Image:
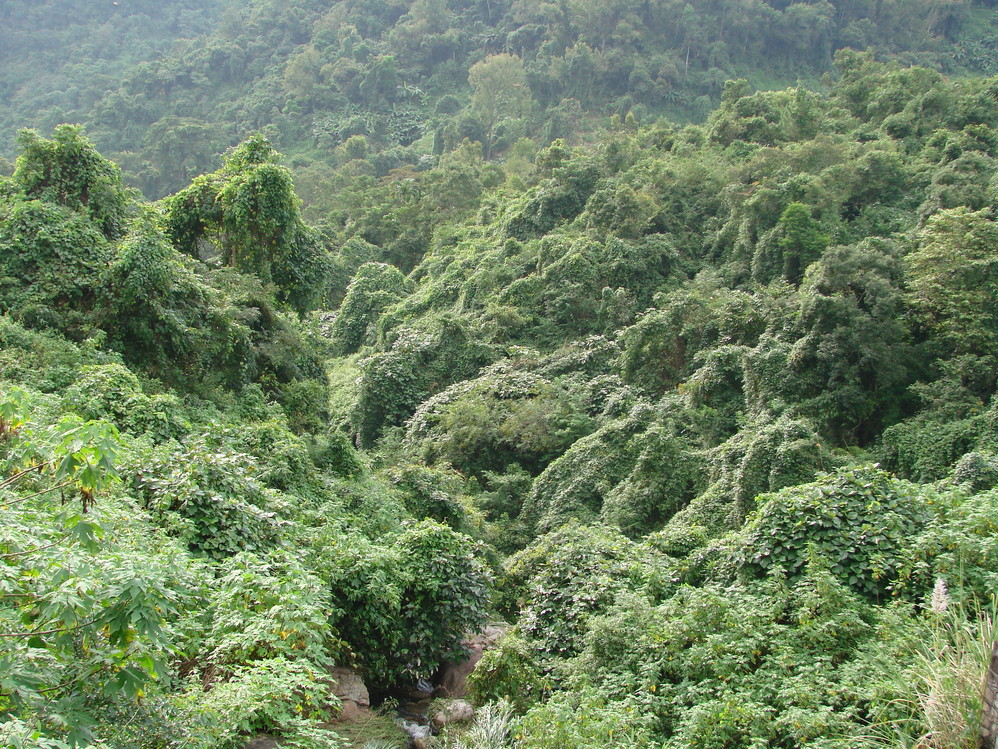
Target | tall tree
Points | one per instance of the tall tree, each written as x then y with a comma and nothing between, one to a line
499,93
69,171
954,280
248,213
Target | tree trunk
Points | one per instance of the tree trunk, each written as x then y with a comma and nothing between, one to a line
989,719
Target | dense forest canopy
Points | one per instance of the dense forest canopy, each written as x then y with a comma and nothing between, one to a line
663,333
165,87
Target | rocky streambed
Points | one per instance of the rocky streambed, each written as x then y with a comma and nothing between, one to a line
422,709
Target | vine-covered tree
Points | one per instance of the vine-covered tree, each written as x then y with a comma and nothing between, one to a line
68,171
248,215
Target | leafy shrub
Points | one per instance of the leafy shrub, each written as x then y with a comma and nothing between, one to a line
979,469
249,214
660,348
333,452
545,207
576,484
68,171
44,361
764,456
431,493
286,697
404,606
733,665
374,287
366,587
567,576
157,312
103,392
677,539
664,479
504,492
958,545
161,417
852,364
446,595
501,418
268,607
617,208
508,671
859,520
926,446
585,718
283,458
418,364
390,388
113,392
209,499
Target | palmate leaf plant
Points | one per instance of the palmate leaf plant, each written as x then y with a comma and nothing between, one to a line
269,607
286,698
82,613
17,734
276,695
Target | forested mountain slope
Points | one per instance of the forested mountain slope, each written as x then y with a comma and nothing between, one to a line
704,412
165,87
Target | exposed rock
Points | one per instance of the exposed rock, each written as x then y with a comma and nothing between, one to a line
350,687
419,736
352,692
263,741
453,677
421,690
351,712
446,712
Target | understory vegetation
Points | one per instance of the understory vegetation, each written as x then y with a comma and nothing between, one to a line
706,412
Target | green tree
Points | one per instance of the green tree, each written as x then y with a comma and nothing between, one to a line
302,73
69,171
499,93
181,148
798,241
853,361
249,214
156,310
51,259
953,281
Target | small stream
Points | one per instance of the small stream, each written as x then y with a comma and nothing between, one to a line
413,713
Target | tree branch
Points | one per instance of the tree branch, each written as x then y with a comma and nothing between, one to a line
31,551
11,479
34,633
63,485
